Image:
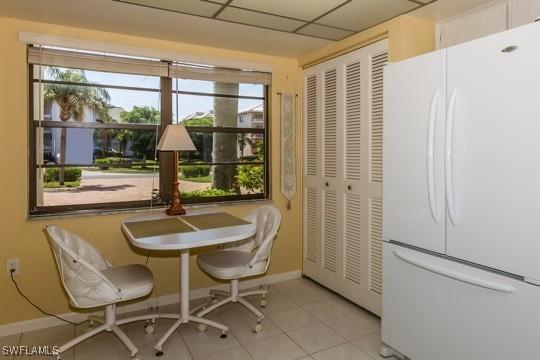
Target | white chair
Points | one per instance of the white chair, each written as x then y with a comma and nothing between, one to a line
90,281
247,258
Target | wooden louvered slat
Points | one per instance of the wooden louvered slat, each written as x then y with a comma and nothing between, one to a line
330,231
312,234
330,123
352,121
311,126
352,239
376,123
375,245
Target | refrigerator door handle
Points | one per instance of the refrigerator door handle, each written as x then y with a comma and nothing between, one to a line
433,203
453,274
448,157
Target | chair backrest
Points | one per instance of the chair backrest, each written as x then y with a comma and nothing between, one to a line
267,219
80,265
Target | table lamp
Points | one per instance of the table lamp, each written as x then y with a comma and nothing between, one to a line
175,139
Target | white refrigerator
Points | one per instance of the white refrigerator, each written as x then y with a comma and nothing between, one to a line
461,201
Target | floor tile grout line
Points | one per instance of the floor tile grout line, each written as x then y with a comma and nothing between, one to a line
324,348
363,350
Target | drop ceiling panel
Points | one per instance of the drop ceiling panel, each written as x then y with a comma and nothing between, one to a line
193,7
259,19
299,9
362,14
324,32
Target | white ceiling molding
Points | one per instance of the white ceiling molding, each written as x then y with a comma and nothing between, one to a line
89,45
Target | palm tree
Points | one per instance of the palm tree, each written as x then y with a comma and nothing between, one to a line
73,101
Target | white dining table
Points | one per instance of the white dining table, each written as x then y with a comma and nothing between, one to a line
185,241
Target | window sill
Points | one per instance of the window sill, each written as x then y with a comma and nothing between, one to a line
104,212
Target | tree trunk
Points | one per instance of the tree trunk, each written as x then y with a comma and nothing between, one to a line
143,166
225,144
63,146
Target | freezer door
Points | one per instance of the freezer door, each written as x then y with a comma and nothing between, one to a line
413,185
436,309
493,151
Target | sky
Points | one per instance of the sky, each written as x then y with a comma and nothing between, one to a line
187,104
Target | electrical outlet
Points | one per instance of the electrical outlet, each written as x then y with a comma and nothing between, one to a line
12,264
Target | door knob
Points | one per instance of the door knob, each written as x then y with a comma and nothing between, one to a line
349,187
326,184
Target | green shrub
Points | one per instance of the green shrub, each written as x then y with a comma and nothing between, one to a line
103,163
206,193
194,171
70,174
250,177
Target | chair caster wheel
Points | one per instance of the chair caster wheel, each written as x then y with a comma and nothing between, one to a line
257,329
223,336
214,300
263,303
202,327
149,329
159,353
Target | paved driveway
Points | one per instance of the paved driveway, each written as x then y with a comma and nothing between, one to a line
99,187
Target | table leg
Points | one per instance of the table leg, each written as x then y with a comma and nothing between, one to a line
184,300
184,284
185,316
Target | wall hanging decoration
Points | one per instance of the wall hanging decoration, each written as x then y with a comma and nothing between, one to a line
288,146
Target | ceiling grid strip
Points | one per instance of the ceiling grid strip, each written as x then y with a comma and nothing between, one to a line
230,4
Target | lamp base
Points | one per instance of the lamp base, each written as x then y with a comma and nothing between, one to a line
175,212
176,208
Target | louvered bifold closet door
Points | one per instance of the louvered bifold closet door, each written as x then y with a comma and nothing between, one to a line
354,256
312,169
378,58
331,197
342,190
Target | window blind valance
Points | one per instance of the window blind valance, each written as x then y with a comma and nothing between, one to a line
96,62
110,63
183,71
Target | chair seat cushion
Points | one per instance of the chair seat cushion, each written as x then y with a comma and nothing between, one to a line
133,280
227,264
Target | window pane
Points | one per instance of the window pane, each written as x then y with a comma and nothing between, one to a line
67,102
229,147
125,169
198,182
104,105
96,186
89,146
202,86
101,77
195,110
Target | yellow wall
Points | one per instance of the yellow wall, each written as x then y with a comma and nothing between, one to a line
22,238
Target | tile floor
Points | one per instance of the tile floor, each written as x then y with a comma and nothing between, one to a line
302,321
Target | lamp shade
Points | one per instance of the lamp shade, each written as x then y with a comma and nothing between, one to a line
175,138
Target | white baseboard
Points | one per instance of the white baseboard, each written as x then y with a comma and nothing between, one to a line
153,302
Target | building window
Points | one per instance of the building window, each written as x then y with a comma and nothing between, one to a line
94,129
